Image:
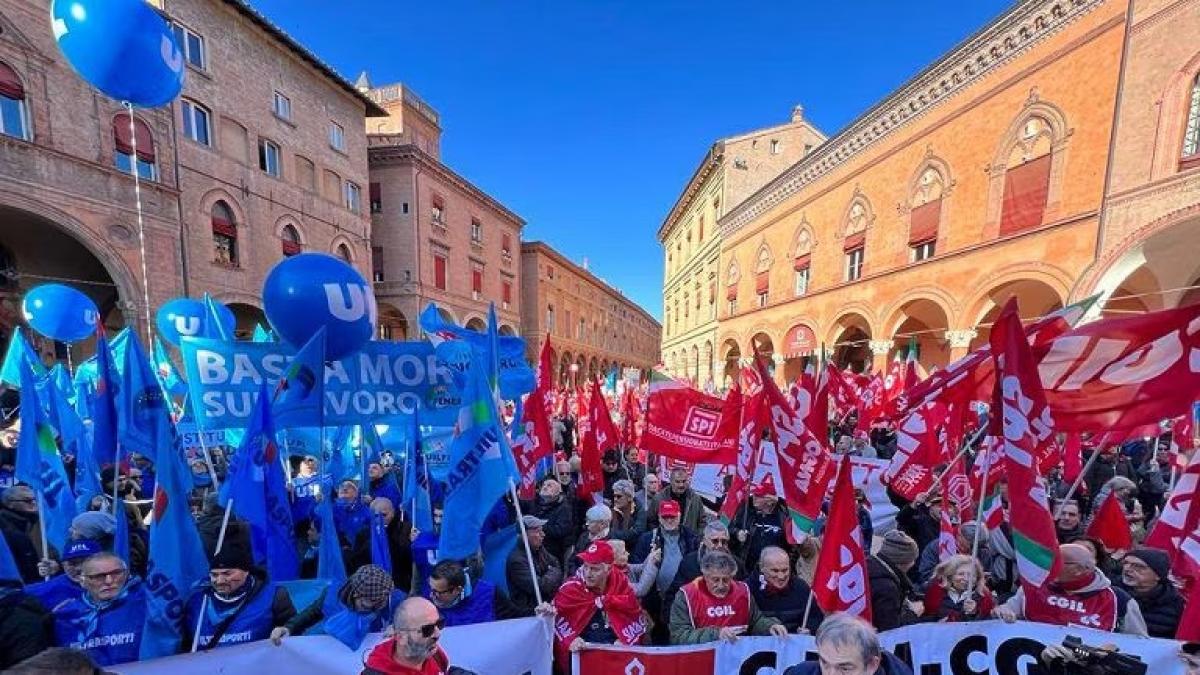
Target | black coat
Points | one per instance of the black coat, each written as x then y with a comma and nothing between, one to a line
915,521
26,556
762,530
889,588
26,628
520,580
787,606
560,524
889,665
399,538
1161,608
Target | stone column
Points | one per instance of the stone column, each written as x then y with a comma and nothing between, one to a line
881,349
960,342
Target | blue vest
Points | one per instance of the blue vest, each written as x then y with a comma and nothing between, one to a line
111,636
253,622
477,608
55,592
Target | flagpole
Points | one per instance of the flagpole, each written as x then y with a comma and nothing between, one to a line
204,597
807,610
212,471
537,591
1078,481
116,472
987,468
42,529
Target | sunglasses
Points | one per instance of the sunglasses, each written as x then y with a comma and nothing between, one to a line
428,629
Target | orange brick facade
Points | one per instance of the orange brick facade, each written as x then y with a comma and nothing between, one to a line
980,179
592,326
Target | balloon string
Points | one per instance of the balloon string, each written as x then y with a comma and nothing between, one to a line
137,193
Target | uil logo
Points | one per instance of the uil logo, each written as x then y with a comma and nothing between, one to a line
171,55
91,317
350,302
187,325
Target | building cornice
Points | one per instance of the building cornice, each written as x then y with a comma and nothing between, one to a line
542,248
712,160
1010,35
390,155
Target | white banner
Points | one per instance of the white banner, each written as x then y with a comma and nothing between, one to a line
489,648
979,648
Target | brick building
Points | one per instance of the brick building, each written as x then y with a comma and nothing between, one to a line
731,170
981,178
263,155
436,236
592,326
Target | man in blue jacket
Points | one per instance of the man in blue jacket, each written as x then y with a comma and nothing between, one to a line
106,621
847,645
463,601
67,586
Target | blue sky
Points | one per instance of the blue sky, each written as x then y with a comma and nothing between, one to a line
586,118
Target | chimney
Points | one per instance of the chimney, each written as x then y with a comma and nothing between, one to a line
363,83
798,114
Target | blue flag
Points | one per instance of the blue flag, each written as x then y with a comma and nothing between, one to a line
168,375
416,482
496,548
18,351
214,327
300,394
88,370
121,536
177,561
516,377
341,457
105,420
140,401
380,554
8,565
258,489
73,440
330,565
39,465
481,467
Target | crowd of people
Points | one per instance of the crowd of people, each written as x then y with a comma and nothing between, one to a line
649,564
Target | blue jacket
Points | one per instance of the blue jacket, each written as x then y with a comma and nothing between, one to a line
111,634
264,607
304,496
478,607
351,519
889,665
55,592
385,486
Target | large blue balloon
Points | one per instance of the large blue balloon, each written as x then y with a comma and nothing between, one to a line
310,290
122,47
185,317
60,312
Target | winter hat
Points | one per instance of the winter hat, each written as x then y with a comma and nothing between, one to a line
1155,559
370,582
898,549
235,555
93,525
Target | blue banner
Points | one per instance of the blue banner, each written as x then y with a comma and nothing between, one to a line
384,381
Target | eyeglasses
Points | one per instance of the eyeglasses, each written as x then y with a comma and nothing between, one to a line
104,576
717,542
428,629
449,592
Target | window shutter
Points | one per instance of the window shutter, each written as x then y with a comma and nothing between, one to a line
10,84
854,241
223,226
506,292
477,281
291,247
731,292
375,193
923,226
124,142
439,272
1025,190
762,283
803,262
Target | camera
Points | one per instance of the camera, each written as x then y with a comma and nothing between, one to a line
1096,661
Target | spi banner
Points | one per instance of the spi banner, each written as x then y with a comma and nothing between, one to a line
480,648
978,648
385,380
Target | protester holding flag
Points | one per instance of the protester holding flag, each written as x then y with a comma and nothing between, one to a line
364,603
674,542
546,571
67,586
887,579
350,513
306,489
959,592
964,541
106,621
398,536
782,595
1079,595
552,507
758,524
1145,576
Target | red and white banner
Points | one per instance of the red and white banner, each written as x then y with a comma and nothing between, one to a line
685,424
840,578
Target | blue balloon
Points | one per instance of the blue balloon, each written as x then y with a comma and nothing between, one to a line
309,291
60,312
185,317
122,47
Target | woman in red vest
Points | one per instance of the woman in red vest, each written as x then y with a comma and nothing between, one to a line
715,607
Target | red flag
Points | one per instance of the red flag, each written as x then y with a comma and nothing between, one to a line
893,382
957,492
686,424
871,402
947,536
911,375
1180,516
1072,457
842,393
1189,559
918,451
840,578
1020,413
813,402
804,464
753,420
600,421
545,375
1111,527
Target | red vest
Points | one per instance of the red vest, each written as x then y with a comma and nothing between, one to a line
1095,609
709,611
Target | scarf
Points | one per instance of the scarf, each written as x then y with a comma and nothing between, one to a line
576,603
222,606
672,557
1075,585
345,624
89,619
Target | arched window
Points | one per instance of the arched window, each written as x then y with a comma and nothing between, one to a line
14,114
926,214
343,252
802,262
762,275
290,239
1027,177
124,139
854,245
224,233
1191,135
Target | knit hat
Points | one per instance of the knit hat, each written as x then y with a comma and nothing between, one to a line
93,525
1155,559
371,583
898,549
235,555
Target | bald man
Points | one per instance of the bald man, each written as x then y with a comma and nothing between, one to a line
414,649
1081,595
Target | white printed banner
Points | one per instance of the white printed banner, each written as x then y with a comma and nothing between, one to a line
482,648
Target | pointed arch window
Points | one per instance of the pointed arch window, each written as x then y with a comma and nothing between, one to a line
290,240
926,215
124,140
14,112
224,234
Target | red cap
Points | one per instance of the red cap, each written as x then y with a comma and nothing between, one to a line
764,489
668,508
597,552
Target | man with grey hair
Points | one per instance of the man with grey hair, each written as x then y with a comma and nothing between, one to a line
716,538
414,647
629,520
847,645
716,607
597,526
